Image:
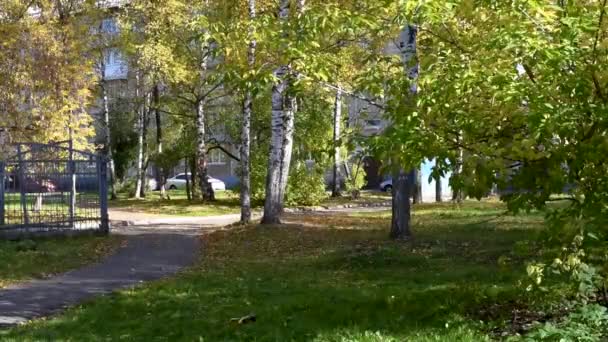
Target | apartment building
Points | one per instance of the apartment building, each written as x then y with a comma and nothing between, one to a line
119,79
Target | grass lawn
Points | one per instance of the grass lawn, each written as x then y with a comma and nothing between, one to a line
367,197
31,259
325,278
227,203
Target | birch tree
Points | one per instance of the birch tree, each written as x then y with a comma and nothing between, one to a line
281,134
245,149
141,136
106,127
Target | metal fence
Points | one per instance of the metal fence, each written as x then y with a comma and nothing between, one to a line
52,189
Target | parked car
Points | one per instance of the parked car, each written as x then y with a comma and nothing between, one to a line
387,185
33,185
179,182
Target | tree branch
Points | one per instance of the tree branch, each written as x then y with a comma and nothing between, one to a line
218,147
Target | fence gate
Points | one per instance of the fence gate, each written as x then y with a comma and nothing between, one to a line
48,189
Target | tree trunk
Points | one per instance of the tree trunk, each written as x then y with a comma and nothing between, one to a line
457,194
201,153
140,137
287,145
108,136
246,128
418,186
188,178
159,141
201,148
272,205
280,143
194,188
400,223
337,120
438,190
146,118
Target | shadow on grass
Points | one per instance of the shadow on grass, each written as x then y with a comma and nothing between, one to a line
321,278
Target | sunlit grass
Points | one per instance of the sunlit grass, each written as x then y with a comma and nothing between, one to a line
178,204
227,203
325,278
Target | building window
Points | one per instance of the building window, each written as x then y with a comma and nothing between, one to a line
116,66
217,157
109,26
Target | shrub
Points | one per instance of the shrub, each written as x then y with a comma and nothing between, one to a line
356,181
306,187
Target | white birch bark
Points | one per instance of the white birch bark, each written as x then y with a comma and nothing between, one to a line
146,118
246,128
140,137
201,148
107,131
281,128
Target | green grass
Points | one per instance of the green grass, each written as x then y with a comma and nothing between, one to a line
325,278
178,205
32,259
227,203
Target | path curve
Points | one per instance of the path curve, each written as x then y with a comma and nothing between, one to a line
143,257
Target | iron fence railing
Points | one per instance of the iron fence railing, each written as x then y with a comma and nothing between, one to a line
52,188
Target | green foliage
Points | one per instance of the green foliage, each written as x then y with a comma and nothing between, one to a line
307,185
587,323
259,169
124,140
356,181
26,245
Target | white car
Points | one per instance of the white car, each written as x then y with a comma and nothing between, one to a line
387,185
179,182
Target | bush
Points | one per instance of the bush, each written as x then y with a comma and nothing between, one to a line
356,181
128,186
306,187
588,323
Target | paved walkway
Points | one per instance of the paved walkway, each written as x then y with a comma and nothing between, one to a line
152,250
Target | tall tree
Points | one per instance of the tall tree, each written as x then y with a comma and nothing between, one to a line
140,109
159,139
106,127
282,133
402,181
245,149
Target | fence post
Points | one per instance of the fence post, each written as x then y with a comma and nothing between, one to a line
3,180
26,219
102,170
72,171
